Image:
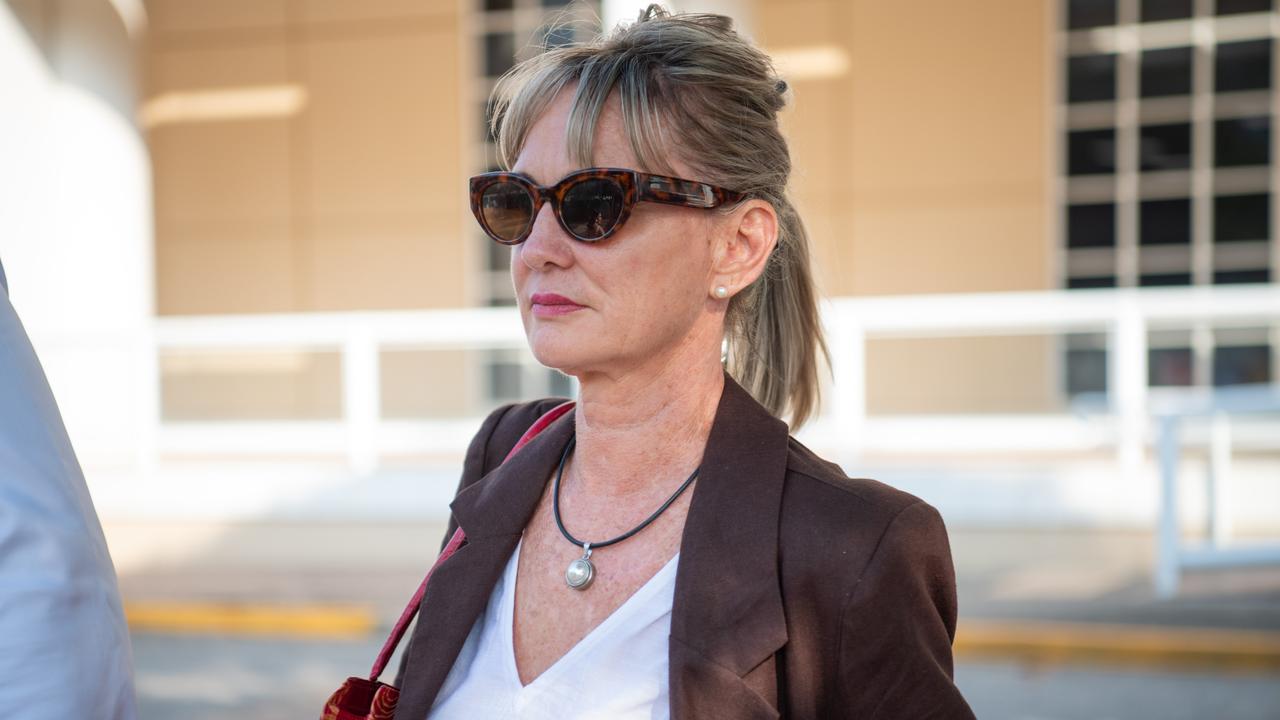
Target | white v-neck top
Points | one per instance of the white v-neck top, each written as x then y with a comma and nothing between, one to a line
618,671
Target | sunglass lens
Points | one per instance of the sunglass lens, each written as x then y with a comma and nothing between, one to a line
592,207
507,208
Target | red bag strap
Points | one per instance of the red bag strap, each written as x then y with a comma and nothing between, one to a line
455,542
539,425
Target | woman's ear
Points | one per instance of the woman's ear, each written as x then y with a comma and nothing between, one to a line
743,247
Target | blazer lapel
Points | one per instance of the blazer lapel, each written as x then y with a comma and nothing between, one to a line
493,511
727,618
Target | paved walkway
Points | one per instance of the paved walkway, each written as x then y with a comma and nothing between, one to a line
1033,595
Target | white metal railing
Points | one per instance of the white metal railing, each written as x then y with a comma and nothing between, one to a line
1124,315
1122,427
1172,556
358,337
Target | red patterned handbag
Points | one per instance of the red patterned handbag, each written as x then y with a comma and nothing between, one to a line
369,699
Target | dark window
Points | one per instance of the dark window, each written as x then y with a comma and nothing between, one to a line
504,380
1091,78
499,53
1091,151
1086,371
484,120
1166,72
558,36
1090,13
1235,277
1165,222
1243,66
1241,364
1242,141
1241,217
499,255
1155,10
1169,366
561,384
1230,7
1165,147
1162,279
498,4
1084,283
1091,225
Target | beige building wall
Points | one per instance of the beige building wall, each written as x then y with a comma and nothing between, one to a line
923,165
348,198
308,156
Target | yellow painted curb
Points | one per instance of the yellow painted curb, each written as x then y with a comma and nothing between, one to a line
316,621
1049,642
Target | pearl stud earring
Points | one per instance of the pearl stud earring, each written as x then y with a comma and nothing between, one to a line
722,292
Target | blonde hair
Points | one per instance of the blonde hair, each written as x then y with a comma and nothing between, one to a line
689,84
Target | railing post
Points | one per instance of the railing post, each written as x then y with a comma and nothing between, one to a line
150,412
1219,497
1168,540
1127,383
849,371
361,401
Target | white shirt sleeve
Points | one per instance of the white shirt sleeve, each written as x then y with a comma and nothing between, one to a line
64,645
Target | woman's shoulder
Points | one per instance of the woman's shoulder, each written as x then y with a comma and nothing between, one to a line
813,478
838,533
820,500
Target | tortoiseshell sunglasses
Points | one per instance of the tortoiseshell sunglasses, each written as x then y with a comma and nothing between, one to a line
589,204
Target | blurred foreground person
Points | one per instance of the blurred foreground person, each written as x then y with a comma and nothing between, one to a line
64,645
666,549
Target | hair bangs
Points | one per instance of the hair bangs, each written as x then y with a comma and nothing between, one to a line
522,96
519,99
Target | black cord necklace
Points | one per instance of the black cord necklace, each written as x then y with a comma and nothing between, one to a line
581,571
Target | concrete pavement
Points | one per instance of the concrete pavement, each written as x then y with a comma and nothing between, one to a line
1029,595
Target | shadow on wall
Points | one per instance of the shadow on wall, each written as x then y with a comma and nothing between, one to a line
81,41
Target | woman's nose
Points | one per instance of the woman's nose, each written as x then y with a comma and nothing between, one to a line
547,244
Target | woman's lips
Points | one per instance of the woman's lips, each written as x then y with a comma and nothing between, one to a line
551,304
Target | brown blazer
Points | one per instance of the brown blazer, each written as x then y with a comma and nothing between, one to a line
800,593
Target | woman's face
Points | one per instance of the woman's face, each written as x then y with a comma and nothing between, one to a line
641,296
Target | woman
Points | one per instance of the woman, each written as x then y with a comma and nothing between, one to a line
666,549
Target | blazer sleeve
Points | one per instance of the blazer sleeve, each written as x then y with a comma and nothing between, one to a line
898,624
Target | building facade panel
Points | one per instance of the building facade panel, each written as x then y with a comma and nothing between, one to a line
924,166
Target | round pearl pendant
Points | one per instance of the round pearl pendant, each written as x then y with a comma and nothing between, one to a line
579,574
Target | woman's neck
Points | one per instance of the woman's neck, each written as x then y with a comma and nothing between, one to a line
635,429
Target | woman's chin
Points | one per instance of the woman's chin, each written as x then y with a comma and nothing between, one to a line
560,353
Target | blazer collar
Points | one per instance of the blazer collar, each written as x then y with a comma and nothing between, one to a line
502,502
727,613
